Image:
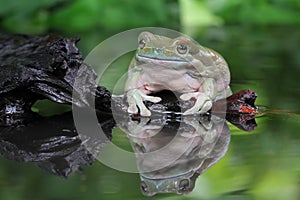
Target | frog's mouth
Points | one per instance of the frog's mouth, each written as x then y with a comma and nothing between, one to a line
159,58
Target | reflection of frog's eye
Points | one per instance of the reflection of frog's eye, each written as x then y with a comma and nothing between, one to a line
142,43
182,49
184,184
144,187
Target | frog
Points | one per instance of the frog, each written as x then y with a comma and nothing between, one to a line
180,65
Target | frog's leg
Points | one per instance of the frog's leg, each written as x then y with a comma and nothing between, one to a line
203,97
135,98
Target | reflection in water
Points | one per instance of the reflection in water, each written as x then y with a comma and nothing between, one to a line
172,150
52,143
172,154
243,122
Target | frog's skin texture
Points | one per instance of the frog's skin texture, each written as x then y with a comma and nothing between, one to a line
180,65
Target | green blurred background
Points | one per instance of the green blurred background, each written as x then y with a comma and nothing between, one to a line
260,40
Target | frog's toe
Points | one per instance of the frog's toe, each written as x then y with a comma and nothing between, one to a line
191,111
188,96
206,107
132,109
202,105
145,112
153,99
207,125
143,109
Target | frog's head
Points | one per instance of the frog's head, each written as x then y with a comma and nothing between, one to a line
182,184
160,49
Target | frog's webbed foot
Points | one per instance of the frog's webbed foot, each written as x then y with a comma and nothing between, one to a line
135,100
202,105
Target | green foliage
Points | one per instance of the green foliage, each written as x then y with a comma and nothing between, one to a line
78,16
68,16
261,12
195,14
89,14
91,20
25,16
95,20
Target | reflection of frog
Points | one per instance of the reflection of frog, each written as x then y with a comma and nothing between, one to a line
179,65
171,155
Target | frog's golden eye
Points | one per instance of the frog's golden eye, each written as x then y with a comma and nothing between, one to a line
142,43
182,49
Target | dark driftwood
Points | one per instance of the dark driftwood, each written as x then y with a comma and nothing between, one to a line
34,68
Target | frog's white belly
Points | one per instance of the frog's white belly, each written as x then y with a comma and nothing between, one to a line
168,79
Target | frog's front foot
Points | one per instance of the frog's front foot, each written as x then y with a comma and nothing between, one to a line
135,100
202,105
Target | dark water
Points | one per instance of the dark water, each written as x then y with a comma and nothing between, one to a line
262,164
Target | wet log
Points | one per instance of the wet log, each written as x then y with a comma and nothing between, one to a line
34,68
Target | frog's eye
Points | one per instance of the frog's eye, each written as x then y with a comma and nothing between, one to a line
182,49
183,185
144,187
142,43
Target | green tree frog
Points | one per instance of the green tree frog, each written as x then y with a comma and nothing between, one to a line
180,65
